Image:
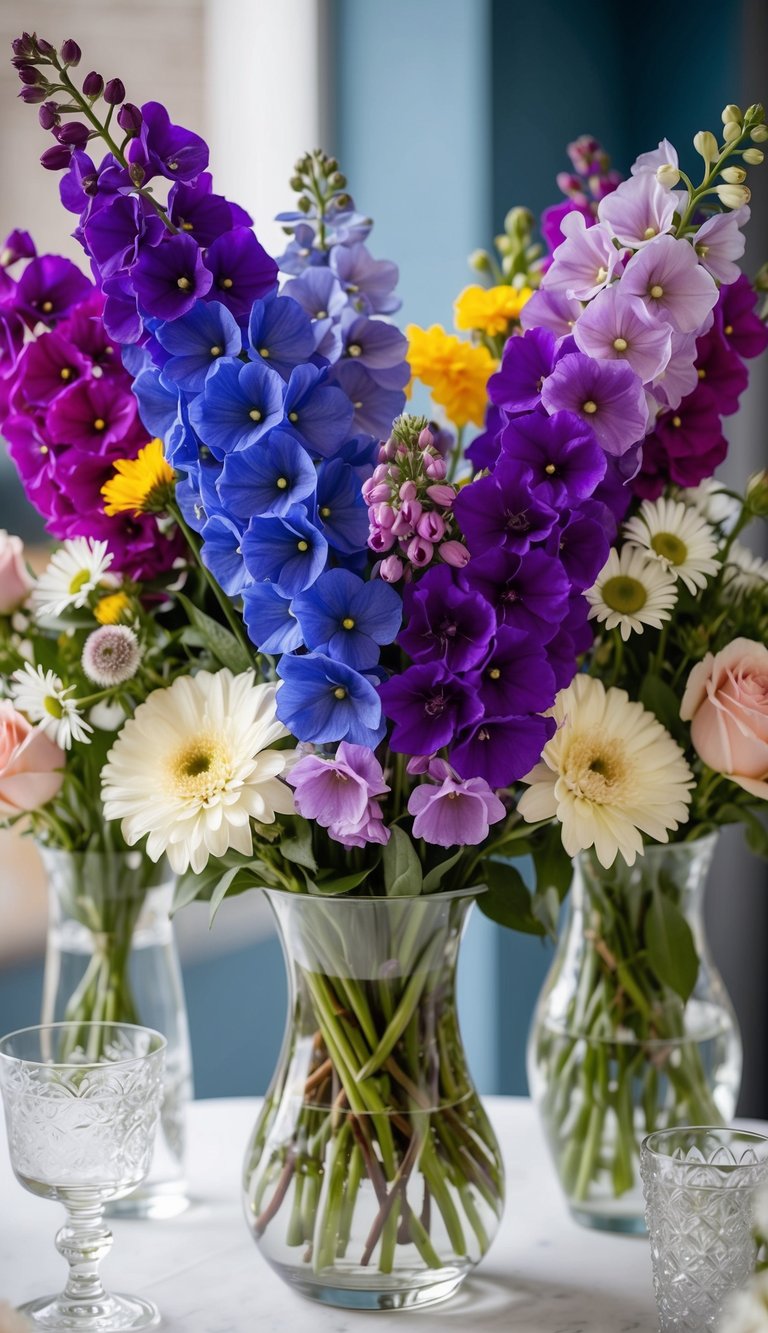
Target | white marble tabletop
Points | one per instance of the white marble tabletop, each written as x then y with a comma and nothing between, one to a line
544,1273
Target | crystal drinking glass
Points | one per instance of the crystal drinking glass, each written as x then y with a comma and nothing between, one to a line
82,1103
699,1184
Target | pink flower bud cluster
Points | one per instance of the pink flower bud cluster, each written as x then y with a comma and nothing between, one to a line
410,509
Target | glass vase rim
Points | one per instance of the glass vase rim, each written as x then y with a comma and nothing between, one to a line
747,1136
439,895
652,849
159,1044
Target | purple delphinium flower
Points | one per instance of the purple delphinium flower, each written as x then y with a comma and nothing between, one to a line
341,794
485,448
502,750
670,281
719,242
502,511
378,346
742,327
195,209
525,363
428,706
551,309
515,676
48,289
17,245
585,262
369,283
560,452
374,407
529,592
116,233
607,395
582,542
685,447
164,149
618,327
321,701
721,370
454,813
242,272
170,277
445,622
638,210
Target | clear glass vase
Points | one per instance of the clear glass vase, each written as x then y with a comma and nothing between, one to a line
373,1178
614,1053
111,957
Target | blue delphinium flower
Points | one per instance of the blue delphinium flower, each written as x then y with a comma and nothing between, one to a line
158,402
267,477
375,407
319,414
222,553
288,552
269,618
239,404
341,512
348,619
321,701
280,334
196,341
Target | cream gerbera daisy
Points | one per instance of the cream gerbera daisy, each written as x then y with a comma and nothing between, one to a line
44,698
73,572
192,768
631,590
678,537
610,773
744,571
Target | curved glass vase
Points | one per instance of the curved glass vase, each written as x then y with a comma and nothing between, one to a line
111,957
614,1053
373,1178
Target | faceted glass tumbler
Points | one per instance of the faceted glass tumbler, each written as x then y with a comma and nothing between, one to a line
699,1184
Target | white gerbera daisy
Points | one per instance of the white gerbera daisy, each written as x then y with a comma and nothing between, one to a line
711,499
609,773
192,768
44,698
678,537
631,590
744,571
73,572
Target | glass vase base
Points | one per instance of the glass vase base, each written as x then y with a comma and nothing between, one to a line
601,1218
155,1203
112,1314
377,1293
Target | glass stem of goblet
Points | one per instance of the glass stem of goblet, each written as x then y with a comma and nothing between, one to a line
84,1241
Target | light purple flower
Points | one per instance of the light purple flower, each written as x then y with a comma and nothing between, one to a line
662,156
608,395
638,211
719,241
585,262
455,814
669,280
679,377
618,327
340,794
550,309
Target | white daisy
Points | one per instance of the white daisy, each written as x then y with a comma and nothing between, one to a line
744,571
73,572
679,538
610,773
631,590
192,768
711,499
44,698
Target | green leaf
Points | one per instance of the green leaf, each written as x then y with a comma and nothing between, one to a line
669,941
661,700
434,877
219,893
220,642
299,850
402,868
554,867
507,899
338,883
188,888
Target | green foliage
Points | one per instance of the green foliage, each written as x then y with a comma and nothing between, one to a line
669,941
220,642
402,868
507,900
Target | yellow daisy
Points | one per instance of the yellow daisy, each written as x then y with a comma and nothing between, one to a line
489,309
457,372
141,485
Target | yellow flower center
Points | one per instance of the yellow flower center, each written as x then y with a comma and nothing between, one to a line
99,423
550,469
595,768
348,623
701,372
216,350
649,233
282,483
302,545
226,283
264,351
355,349
620,344
728,330
183,284
339,692
52,706
47,307
78,581
670,547
677,421
624,594
494,673
255,414
590,407
65,373
656,291
293,417
200,769
325,511
601,275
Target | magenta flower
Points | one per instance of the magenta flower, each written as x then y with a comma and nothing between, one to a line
340,794
48,289
552,220
585,262
685,448
742,327
721,370
639,210
607,395
719,242
454,814
669,280
46,366
617,327
550,308
93,415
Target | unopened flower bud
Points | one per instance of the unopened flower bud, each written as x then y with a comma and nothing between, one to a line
759,134
304,203
480,261
129,118
114,93
56,158
48,115
402,526
73,133
757,493
34,95
455,554
23,46
705,144
32,77
382,539
753,157
733,196
44,48
519,223
137,173
411,512
408,490
431,527
93,84
70,52
391,569
426,438
731,114
755,114
732,132
435,469
442,495
420,552
296,183
734,175
337,180
504,244
384,515
667,175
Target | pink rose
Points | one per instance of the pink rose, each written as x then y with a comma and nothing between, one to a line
15,582
31,764
726,702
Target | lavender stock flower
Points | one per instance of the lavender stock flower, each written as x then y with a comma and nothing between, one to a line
607,395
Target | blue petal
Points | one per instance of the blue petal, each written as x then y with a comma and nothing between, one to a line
271,624
308,705
250,476
222,554
280,334
273,552
158,404
196,341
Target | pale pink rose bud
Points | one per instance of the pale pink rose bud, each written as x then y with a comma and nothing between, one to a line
443,495
426,438
453,553
391,569
384,515
412,510
31,764
431,526
408,490
15,582
402,525
726,703
435,468
381,540
420,552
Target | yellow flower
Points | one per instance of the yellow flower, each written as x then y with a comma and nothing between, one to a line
111,610
141,485
489,309
457,372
